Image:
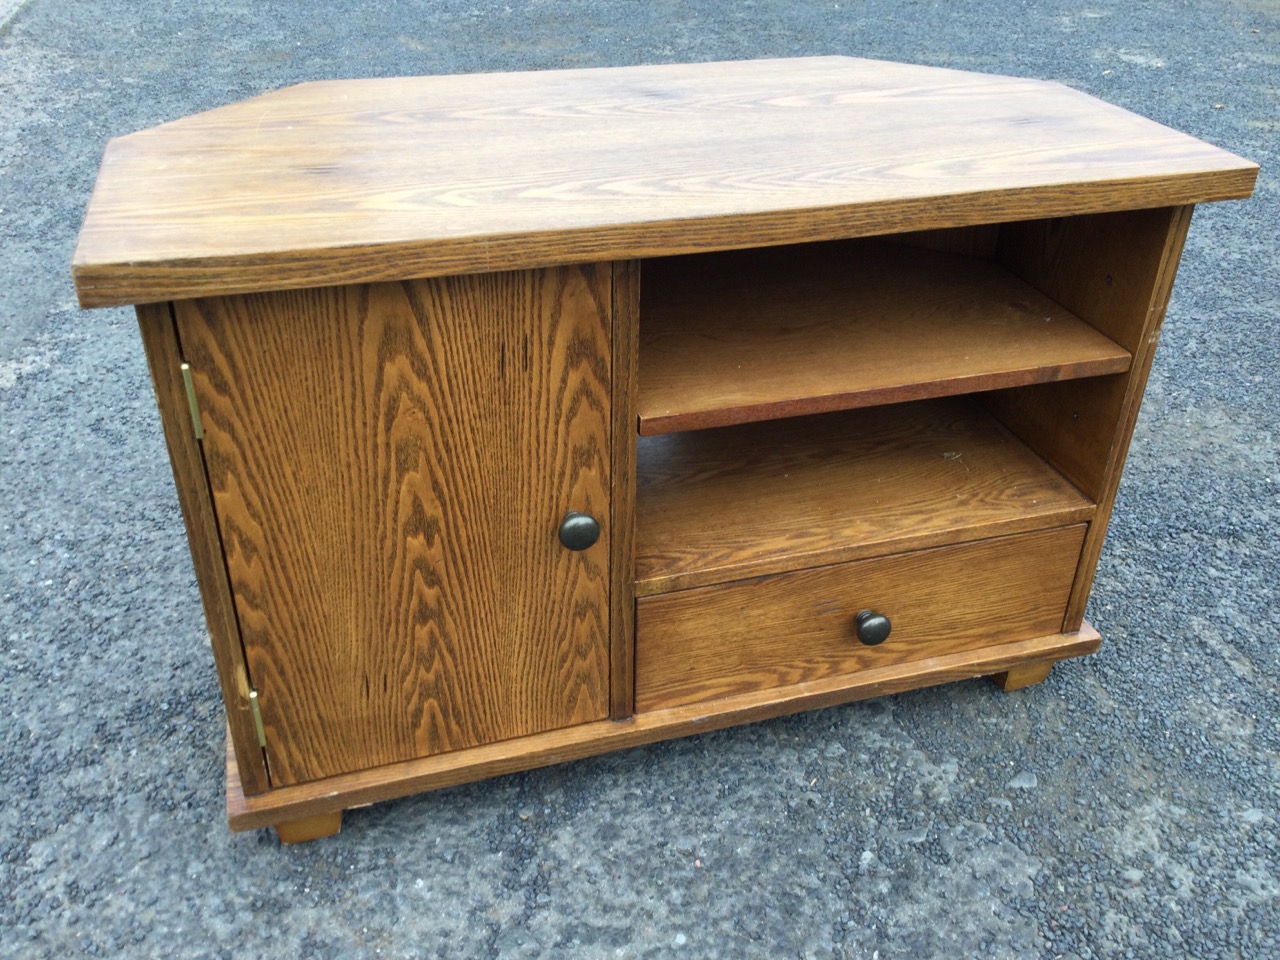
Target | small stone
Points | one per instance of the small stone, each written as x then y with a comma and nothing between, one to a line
1024,781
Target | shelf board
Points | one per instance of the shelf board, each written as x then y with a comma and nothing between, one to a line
756,335
750,500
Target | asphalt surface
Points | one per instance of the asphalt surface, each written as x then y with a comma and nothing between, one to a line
1127,807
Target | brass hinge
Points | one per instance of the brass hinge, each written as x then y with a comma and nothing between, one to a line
257,719
191,401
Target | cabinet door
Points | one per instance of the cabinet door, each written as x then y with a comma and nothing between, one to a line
390,464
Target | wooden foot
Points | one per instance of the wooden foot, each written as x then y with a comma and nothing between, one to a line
309,828
1023,676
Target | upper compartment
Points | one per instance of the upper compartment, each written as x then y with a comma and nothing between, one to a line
365,180
760,334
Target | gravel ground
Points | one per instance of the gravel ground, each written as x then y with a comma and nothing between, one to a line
1125,808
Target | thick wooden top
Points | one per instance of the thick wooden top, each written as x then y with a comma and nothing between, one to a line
361,180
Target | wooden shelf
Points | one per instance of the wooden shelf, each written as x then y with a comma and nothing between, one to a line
719,505
739,337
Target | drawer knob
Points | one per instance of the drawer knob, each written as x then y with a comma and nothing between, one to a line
579,531
873,628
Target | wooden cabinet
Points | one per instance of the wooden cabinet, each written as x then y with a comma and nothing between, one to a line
835,362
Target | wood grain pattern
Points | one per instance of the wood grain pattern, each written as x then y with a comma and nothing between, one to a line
977,241
736,502
1116,271
1071,424
1026,675
1103,268
738,337
356,181
1161,289
794,628
573,743
164,358
390,465
622,591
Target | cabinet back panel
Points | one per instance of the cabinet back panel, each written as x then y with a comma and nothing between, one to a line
390,464
978,241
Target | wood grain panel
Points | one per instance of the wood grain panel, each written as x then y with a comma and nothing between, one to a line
164,358
572,743
718,505
1072,424
1102,268
1115,271
622,653
794,628
390,465
739,337
355,181
1158,302
977,241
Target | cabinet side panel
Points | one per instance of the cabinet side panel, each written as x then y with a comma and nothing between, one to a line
391,464
1105,268
622,593
155,321
1116,272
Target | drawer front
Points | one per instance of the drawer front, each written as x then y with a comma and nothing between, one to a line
790,628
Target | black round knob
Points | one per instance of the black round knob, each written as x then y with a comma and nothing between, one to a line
873,628
579,531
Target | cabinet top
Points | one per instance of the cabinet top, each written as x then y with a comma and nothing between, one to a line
363,180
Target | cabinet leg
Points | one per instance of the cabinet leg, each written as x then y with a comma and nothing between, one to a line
1023,676
309,828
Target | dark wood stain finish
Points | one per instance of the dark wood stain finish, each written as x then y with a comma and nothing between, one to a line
622,650
390,465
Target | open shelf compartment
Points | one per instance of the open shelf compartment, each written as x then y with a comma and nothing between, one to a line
744,336
754,499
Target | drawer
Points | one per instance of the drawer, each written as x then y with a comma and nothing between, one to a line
790,628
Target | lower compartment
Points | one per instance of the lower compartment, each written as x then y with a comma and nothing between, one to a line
713,642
